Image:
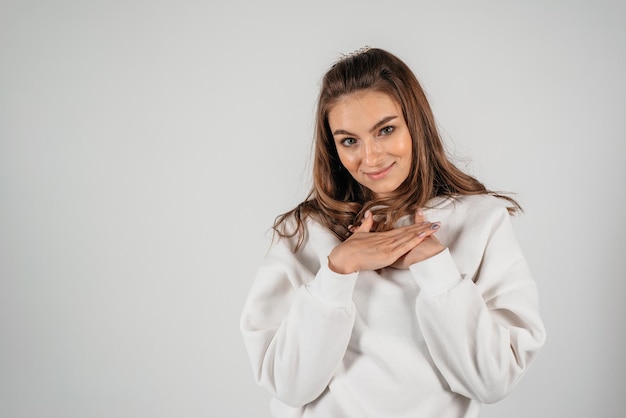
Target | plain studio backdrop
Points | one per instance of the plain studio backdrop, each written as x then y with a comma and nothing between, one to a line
146,147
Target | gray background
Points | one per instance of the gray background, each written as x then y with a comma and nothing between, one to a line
145,148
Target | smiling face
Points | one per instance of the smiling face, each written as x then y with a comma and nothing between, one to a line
372,140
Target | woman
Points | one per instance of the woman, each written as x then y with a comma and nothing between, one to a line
397,288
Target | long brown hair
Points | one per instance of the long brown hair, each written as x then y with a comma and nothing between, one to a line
336,200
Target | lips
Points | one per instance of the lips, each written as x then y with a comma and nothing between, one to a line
377,175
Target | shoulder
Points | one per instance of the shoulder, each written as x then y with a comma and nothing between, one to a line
483,203
482,209
469,202
310,239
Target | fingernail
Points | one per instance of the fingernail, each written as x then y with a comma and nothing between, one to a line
367,214
421,234
435,226
420,212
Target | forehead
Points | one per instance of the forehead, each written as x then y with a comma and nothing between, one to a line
362,108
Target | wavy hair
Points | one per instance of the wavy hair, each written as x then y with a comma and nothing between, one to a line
336,199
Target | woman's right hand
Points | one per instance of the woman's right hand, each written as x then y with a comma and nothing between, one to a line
366,250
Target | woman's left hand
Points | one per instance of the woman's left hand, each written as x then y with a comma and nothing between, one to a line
429,247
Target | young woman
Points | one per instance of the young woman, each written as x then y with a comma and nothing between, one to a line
397,288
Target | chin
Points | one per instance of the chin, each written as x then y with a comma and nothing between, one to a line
383,192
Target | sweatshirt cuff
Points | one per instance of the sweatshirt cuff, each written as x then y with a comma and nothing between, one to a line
437,274
332,288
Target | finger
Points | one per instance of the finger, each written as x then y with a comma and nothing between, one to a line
413,237
426,229
366,223
419,216
432,227
428,232
411,231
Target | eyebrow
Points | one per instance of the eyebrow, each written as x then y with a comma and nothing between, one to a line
375,127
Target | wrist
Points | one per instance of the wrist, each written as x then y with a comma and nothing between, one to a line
338,269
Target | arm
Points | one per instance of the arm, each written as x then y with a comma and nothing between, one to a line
482,335
299,315
296,333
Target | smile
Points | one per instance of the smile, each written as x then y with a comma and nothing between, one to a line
377,175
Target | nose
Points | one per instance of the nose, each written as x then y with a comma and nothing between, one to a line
372,153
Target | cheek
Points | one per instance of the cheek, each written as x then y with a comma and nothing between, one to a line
349,160
404,148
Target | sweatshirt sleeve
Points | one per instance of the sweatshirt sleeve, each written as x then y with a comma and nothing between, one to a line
296,324
482,332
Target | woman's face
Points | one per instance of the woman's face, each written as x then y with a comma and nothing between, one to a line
372,140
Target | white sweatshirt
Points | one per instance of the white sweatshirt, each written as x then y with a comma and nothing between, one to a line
435,341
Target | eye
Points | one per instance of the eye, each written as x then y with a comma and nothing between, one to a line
347,142
386,130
